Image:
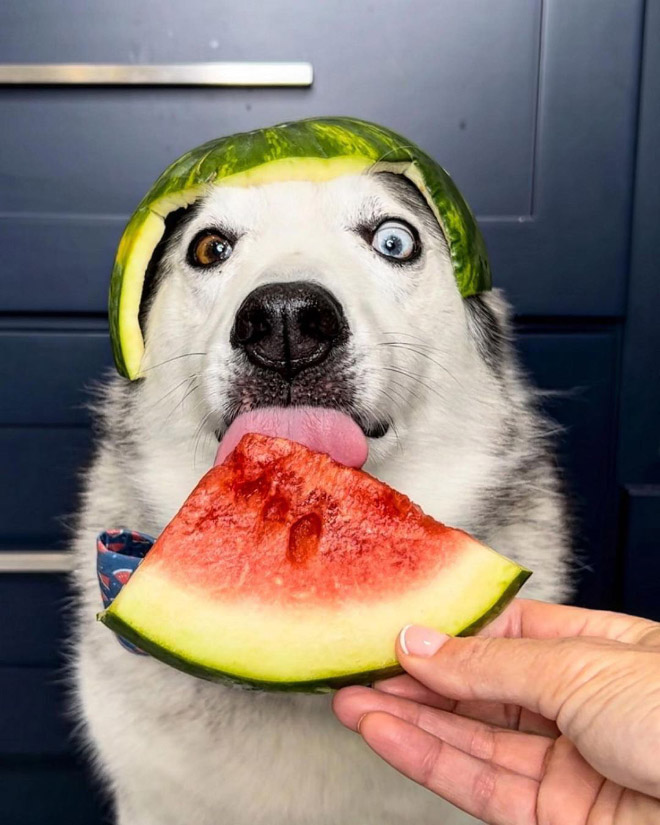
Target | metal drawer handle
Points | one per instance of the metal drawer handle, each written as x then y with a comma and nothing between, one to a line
183,74
36,562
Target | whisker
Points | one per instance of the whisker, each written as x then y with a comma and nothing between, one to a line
170,391
401,392
199,433
408,345
407,335
169,360
419,342
390,421
417,378
414,350
404,392
397,438
188,391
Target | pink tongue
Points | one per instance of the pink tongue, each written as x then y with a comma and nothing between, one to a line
326,431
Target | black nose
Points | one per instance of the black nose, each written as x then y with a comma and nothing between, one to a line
289,327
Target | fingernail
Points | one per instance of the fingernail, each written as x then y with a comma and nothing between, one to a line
359,722
421,641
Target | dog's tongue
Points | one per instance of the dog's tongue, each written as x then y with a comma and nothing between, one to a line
326,431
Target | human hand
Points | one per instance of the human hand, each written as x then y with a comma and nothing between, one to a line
550,715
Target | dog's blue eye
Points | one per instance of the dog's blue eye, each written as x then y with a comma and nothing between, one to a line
394,240
209,248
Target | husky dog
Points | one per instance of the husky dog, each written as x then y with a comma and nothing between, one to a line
337,294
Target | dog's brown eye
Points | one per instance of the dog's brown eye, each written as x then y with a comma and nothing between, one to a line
208,249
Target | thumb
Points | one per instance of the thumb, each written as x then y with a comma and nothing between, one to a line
541,675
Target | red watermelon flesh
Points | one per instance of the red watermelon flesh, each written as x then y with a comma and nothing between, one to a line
281,542
320,527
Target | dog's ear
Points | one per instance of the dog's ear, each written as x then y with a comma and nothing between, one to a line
488,317
174,225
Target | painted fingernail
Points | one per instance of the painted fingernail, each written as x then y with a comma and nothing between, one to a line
421,641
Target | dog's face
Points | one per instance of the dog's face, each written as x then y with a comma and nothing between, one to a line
336,295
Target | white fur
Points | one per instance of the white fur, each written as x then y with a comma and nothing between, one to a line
177,750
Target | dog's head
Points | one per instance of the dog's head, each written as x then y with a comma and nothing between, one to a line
337,295
331,311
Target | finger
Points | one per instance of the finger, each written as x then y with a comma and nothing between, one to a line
508,716
409,688
530,722
494,713
538,620
539,675
488,792
519,752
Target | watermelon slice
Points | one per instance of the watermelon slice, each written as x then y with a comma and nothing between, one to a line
286,570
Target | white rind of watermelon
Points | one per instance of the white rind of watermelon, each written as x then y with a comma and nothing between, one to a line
309,646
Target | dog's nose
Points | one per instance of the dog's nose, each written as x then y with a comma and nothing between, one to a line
288,327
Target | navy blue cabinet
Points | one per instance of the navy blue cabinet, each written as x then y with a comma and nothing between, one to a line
547,114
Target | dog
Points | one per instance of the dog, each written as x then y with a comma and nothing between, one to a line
451,420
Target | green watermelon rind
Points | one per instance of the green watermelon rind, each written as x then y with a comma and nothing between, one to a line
322,685
317,138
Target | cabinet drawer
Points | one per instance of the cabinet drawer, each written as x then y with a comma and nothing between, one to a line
48,372
39,486
33,713
34,616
